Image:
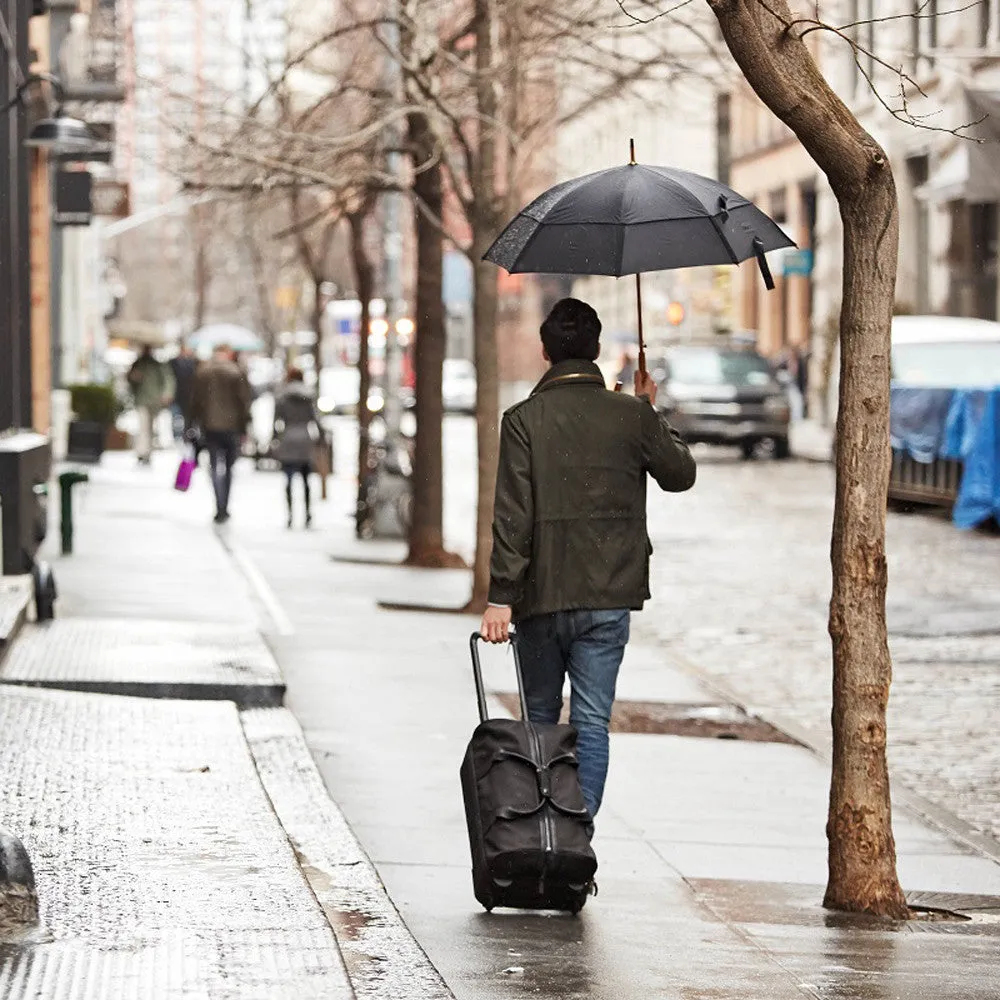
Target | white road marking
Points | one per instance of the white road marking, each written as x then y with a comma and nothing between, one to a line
282,623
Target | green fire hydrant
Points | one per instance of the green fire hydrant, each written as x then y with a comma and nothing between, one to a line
67,480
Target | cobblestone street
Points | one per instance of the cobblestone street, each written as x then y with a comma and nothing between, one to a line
741,581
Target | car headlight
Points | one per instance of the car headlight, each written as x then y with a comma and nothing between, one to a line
325,404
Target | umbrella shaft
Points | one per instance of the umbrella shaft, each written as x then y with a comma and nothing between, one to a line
642,342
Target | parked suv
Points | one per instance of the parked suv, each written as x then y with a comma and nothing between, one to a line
723,394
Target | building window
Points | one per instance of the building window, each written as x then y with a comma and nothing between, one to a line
862,29
918,168
778,200
925,32
989,23
853,13
868,34
723,132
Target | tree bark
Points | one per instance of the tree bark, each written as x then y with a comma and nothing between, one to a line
484,222
426,534
780,69
317,321
364,278
202,276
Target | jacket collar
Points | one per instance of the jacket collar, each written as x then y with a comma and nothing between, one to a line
573,372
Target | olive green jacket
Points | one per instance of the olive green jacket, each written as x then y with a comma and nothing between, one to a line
569,526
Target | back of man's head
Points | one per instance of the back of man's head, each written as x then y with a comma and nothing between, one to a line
571,331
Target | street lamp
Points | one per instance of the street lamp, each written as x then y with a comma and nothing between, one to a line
59,133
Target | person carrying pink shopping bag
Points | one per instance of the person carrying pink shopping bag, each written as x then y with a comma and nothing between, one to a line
185,470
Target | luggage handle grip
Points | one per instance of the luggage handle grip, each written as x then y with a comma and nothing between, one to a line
477,672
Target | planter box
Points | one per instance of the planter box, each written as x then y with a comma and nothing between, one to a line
86,441
117,440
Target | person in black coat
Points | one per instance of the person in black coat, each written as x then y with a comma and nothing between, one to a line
297,434
184,367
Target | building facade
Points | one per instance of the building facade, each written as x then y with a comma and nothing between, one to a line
672,119
939,123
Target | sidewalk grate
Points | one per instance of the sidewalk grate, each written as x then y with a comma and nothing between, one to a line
147,659
658,718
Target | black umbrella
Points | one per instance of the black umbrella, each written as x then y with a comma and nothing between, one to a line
636,218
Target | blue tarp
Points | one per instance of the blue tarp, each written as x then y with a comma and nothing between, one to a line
917,419
960,424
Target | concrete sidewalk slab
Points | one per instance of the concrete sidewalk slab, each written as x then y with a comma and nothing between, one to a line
686,821
757,812
162,870
152,659
143,550
384,960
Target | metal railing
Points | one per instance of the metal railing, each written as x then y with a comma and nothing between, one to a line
935,483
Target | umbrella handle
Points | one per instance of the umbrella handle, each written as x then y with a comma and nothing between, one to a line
642,342
765,271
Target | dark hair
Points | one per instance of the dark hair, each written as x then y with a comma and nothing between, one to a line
572,331
294,374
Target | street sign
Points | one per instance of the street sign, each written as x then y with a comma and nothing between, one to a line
72,206
110,199
798,262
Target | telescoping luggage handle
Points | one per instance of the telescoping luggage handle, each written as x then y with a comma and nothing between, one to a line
477,671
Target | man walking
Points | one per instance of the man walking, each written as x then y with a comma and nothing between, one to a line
220,409
184,367
570,549
152,386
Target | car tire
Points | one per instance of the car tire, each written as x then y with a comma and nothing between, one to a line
782,449
748,449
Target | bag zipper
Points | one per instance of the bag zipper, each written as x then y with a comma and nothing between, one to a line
544,817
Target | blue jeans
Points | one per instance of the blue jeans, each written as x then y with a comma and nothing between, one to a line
589,646
223,449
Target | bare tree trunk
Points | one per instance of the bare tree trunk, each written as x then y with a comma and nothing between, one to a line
426,535
364,277
259,271
779,67
202,276
484,220
317,321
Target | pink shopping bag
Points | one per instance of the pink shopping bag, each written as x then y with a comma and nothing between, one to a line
184,472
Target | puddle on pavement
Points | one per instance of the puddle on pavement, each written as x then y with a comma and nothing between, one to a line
708,721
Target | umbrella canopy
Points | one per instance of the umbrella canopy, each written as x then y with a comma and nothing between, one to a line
635,218
239,338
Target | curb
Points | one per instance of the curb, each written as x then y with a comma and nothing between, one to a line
819,745
383,959
18,590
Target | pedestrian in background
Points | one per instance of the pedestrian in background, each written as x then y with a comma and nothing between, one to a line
184,367
220,412
152,386
570,548
297,436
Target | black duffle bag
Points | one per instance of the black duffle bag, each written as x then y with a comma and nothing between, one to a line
529,828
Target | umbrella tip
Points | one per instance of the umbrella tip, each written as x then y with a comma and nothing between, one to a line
631,151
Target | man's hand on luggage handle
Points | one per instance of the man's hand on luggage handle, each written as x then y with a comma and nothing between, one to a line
496,624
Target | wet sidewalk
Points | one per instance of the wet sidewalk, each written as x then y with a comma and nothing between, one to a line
182,841
713,851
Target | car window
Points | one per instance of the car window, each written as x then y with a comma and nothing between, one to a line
954,365
708,366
